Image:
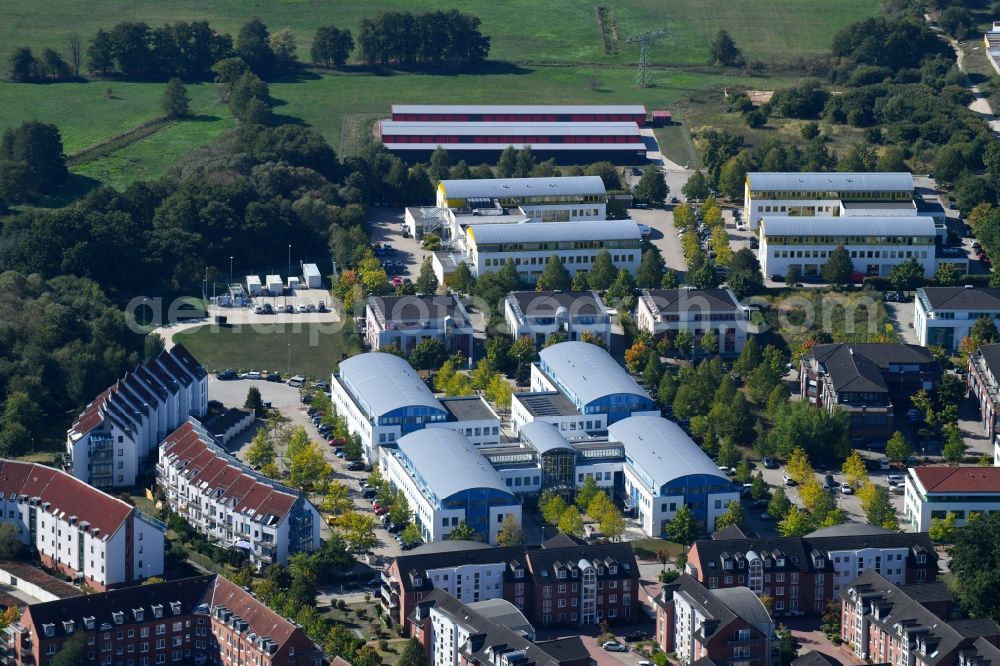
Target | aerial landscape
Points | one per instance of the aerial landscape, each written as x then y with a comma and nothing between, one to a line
623,333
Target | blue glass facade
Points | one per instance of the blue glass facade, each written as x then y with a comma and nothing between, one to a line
477,503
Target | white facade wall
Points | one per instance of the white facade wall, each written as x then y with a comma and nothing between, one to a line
571,327
654,510
754,208
960,323
530,264
358,422
647,321
775,259
148,549
481,432
489,585
849,564
918,512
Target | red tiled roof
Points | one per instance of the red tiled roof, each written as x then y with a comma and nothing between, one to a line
262,620
220,471
959,479
65,493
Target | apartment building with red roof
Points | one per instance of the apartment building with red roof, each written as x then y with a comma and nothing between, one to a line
201,620
934,492
114,436
76,529
232,504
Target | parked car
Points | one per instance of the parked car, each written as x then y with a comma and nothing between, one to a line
759,504
766,516
273,377
229,373
913,414
635,636
323,386
355,466
288,309
895,479
831,483
769,463
614,646
846,489
302,309
369,493
253,374
789,481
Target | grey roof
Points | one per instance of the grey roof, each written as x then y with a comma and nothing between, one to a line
849,529
548,303
858,367
829,182
662,449
428,450
815,658
542,232
423,308
879,205
744,603
991,356
450,546
449,129
520,108
468,408
848,226
502,612
384,382
543,436
493,188
588,371
962,298
685,299
547,403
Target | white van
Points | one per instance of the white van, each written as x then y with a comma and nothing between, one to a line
297,381
252,375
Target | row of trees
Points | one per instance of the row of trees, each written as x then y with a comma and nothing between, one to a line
430,38
589,504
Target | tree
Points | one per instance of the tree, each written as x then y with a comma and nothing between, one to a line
724,51
798,466
510,532
73,651
261,451
554,277
337,499
499,391
21,65
10,542
429,353
838,267
943,530
788,647
462,280
954,446
795,523
602,272
254,401
308,467
897,449
462,532
253,44
413,654
906,276
956,22
779,505
696,187
552,506
709,342
358,530
399,509
652,187
331,46
824,436
947,274
649,275
571,522
854,470
878,508
683,528
586,492
811,493
411,534
732,177
39,148
732,516
176,102
977,581
608,173
427,282
636,356
684,342
983,332
758,488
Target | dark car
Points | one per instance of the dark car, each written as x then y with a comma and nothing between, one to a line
769,463
226,374
356,466
215,404
635,636
759,504
369,493
830,482
273,378
324,386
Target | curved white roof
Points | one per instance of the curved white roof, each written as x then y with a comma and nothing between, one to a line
539,232
543,436
490,188
662,449
385,382
587,370
829,182
848,226
448,463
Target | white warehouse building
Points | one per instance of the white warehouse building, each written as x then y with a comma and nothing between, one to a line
447,482
382,398
875,244
544,199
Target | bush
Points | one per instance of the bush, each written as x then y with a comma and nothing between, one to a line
876,284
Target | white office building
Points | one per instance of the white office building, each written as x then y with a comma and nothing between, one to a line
834,194
875,244
944,316
232,505
542,199
382,398
447,482
114,436
934,492
539,314
665,312
77,530
665,469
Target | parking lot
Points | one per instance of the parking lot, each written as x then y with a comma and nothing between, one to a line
407,253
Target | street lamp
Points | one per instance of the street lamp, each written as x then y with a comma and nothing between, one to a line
230,270
288,370
289,273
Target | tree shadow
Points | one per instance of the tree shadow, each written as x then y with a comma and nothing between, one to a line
76,186
489,68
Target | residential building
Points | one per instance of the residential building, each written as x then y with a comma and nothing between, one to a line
869,381
875,244
539,314
230,503
664,312
382,398
665,470
934,492
815,194
467,489
543,199
891,624
984,371
549,113
405,321
457,634
485,246
804,574
112,439
727,626
202,620
563,582
77,530
944,316
592,380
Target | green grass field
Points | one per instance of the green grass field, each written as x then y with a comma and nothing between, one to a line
314,351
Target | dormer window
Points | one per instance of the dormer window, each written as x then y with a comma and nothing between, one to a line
781,561
613,570
728,564
519,572
88,622
118,617
576,573
175,607
69,626
921,559
139,614
562,574
600,571
820,562
158,611
418,581
49,630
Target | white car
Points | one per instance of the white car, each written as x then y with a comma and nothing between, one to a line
846,489
895,478
614,646
741,225
302,309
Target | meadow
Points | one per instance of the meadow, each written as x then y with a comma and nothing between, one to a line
550,52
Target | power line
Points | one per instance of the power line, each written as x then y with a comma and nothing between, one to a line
644,39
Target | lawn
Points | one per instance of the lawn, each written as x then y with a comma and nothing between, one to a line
852,316
312,350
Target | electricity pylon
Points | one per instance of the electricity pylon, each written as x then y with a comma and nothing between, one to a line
645,41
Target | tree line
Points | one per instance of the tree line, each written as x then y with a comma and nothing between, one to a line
430,38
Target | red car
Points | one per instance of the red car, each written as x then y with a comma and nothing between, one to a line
381,510
397,281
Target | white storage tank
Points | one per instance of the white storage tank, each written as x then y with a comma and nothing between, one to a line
254,286
275,285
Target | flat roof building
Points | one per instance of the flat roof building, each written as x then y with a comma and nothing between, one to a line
934,492
404,321
875,244
441,496
491,113
665,469
592,380
664,312
539,314
944,316
520,192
